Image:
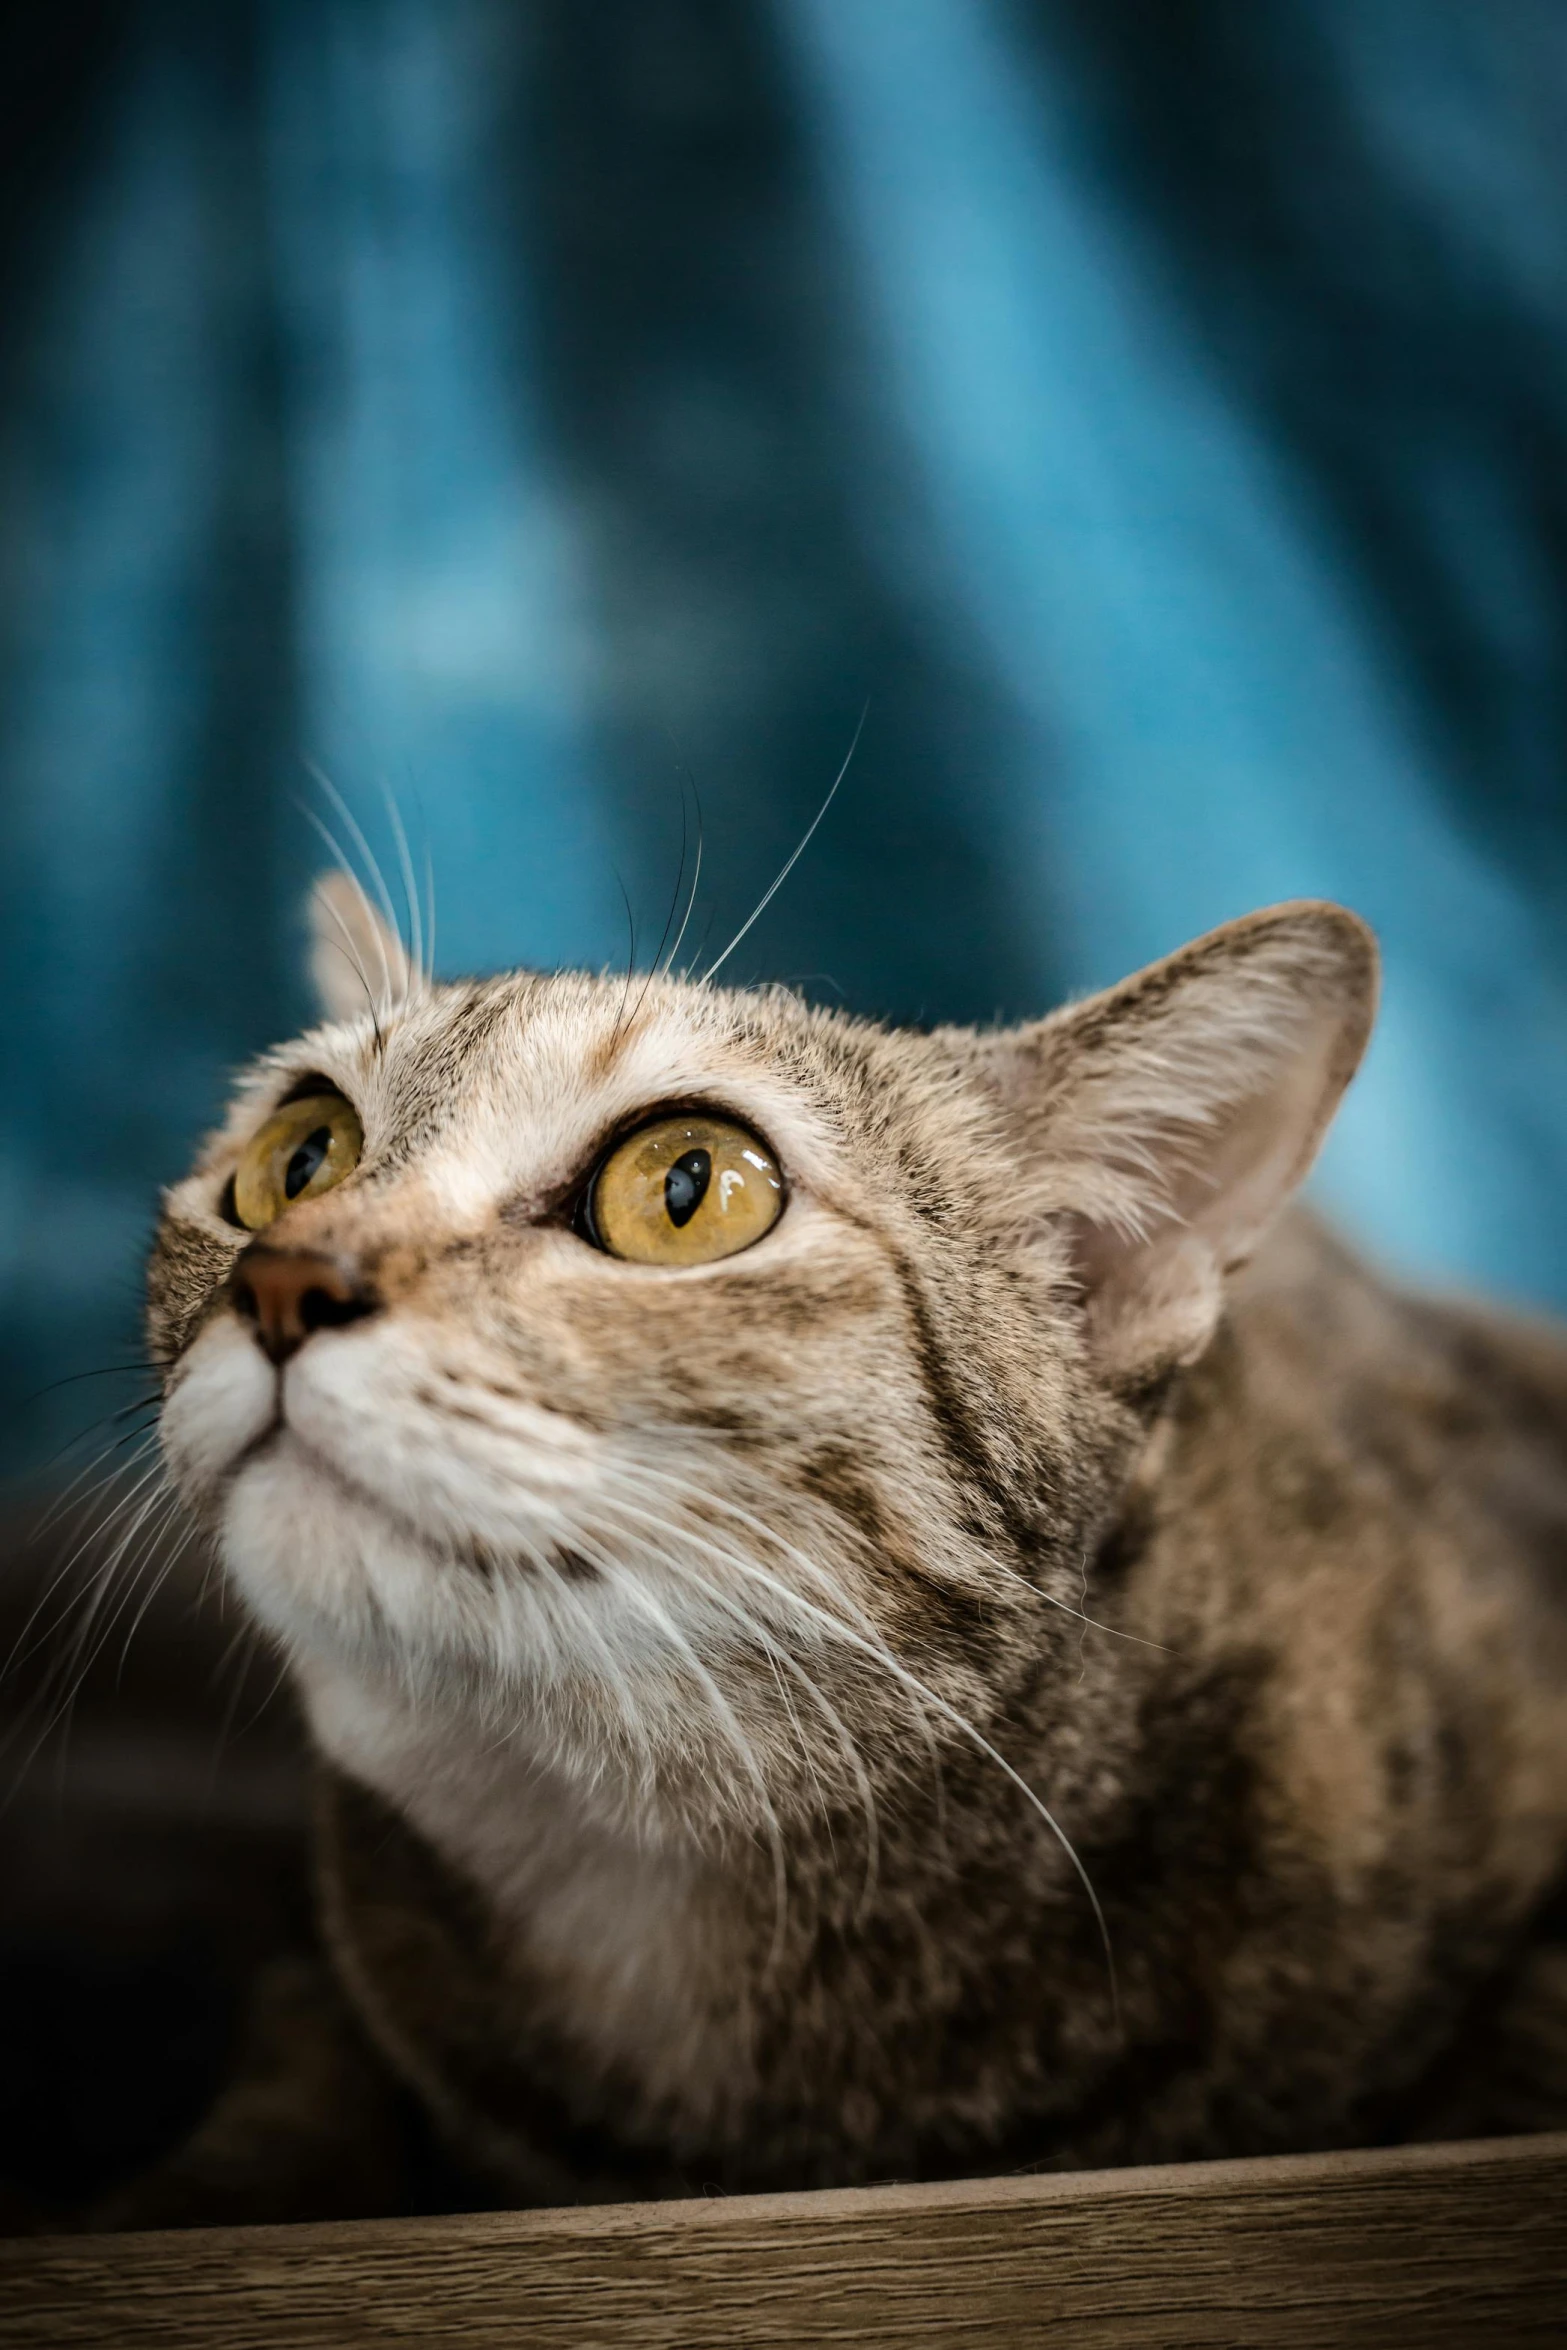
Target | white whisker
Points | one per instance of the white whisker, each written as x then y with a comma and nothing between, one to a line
381,1002
706,1499
21,1649
790,863
777,1654
880,1654
724,1714
410,892
356,834
685,919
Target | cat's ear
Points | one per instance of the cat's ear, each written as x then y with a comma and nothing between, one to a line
1166,1122
357,961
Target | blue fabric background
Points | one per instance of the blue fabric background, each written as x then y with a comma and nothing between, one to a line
1158,412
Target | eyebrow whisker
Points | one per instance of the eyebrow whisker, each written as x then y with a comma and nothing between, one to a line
782,876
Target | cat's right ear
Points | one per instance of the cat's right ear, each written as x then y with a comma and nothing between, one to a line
357,960
1160,1127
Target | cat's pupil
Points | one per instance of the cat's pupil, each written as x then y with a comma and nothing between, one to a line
685,1185
305,1161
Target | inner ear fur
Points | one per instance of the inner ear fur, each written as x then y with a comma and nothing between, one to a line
1164,1124
357,961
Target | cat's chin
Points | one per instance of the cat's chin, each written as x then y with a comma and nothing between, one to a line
330,1572
393,1520
335,1574
353,1516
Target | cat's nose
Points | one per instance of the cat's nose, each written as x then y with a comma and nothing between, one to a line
288,1293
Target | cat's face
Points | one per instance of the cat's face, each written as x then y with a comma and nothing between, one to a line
463,1423
536,1465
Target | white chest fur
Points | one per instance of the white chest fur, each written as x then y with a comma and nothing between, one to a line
616,1927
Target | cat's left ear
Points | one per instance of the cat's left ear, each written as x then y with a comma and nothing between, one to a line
1160,1127
357,960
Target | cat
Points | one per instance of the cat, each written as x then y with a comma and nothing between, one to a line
869,1604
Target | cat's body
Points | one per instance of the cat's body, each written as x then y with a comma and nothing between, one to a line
730,1678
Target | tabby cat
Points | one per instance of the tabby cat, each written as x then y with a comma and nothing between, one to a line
868,1604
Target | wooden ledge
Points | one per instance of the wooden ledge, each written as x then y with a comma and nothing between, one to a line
1428,2246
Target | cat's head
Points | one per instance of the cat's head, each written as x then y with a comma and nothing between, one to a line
670,1368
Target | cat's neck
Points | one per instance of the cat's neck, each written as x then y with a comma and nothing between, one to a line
618,1917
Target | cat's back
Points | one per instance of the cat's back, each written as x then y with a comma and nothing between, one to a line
1353,1553
1366,1494
1426,1422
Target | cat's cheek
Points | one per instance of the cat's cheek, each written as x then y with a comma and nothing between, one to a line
224,1399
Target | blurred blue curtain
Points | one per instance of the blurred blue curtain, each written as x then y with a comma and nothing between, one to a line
1215,709
548,422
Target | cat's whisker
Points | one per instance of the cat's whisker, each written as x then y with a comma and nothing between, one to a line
240,1653
378,1001
541,1561
22,1648
880,1654
778,1654
1079,1614
655,967
724,1556
706,1499
807,1759
789,863
626,1581
133,1550
713,1498
125,1370
62,1500
696,879
128,1569
646,1744
960,1722
170,1562
63,1683
372,864
718,1500
410,892
618,1029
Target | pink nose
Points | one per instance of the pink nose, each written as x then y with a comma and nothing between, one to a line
289,1293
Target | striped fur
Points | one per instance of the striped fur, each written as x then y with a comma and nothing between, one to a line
1036,1661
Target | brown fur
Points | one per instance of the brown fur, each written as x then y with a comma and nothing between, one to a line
669,1637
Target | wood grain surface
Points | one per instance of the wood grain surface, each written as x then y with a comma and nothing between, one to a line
1428,2245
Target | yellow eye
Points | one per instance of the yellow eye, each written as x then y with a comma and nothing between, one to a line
305,1147
685,1192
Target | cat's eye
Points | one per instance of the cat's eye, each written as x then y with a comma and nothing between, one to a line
304,1148
686,1190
